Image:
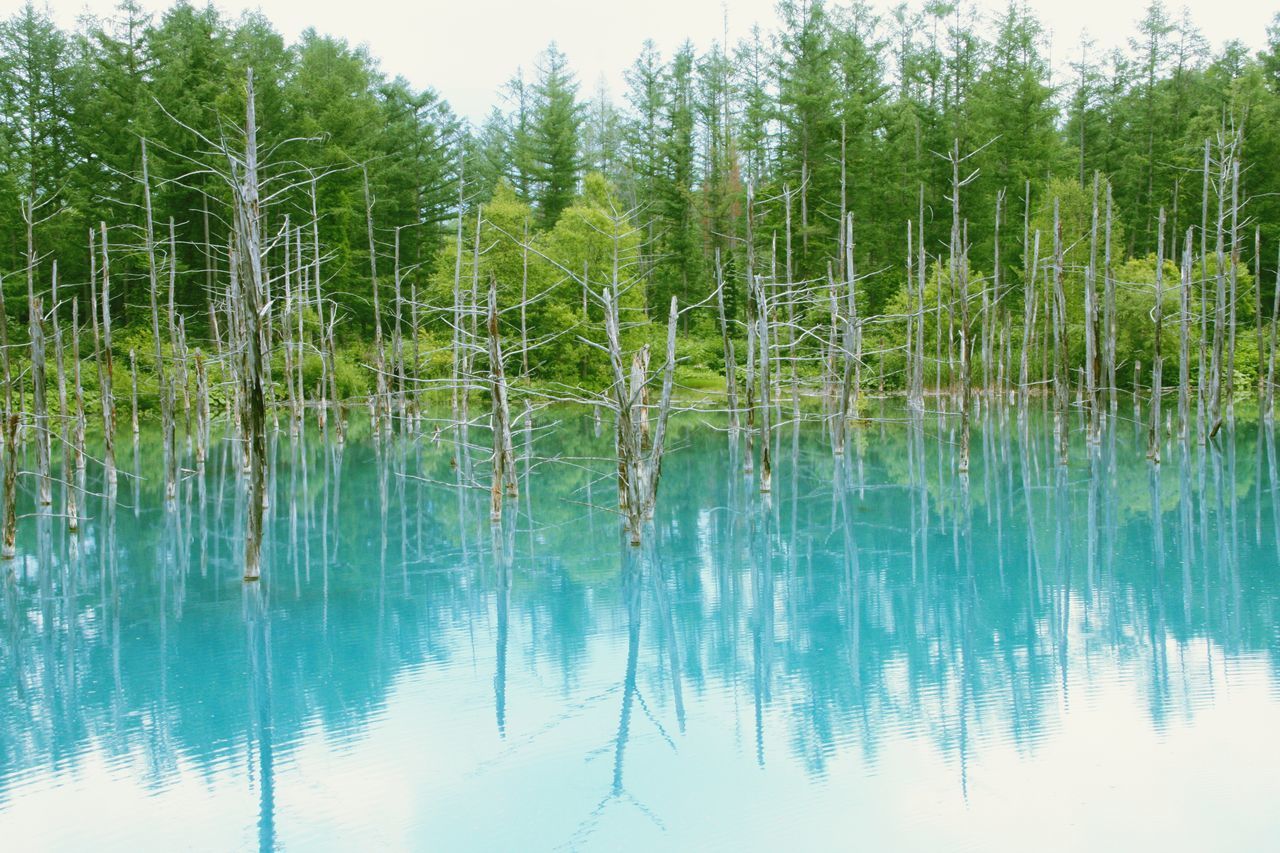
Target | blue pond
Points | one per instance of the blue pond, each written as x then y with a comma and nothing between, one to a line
878,655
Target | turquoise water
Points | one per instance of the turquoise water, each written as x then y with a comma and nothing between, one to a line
876,656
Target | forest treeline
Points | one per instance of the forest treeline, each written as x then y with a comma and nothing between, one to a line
838,121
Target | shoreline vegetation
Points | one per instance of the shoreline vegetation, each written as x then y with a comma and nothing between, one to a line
199,222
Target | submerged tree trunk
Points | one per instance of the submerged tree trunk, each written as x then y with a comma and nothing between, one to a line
382,405
1184,342
9,534
504,463
639,456
248,228
35,326
1091,324
103,357
1061,367
163,389
1109,311
1233,267
133,393
70,502
1271,357
1157,364
730,368
766,411
78,386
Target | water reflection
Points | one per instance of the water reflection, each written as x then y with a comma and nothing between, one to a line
873,600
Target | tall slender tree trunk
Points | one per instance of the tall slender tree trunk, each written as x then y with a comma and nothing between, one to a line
1061,350
247,218
1184,342
1157,364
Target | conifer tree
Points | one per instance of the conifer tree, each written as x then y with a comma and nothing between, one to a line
555,136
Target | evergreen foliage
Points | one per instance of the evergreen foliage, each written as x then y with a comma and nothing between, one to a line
841,114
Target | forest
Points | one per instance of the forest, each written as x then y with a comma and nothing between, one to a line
837,114
913,203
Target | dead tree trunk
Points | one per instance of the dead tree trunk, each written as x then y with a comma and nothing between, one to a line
958,275
133,393
730,369
912,401
286,327
1203,366
70,498
851,404
300,350
248,226
35,325
164,391
1157,365
1220,311
1061,376
524,301
766,411
639,461
202,410
330,334
1233,275
966,345
78,386
397,335
382,406
1184,342
328,358
103,357
1271,355
841,425
992,312
504,463
1257,304
8,537
1091,323
748,463
921,281
1109,310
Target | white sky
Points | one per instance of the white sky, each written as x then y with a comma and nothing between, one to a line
466,50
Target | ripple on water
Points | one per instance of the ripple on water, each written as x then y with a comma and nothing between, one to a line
874,657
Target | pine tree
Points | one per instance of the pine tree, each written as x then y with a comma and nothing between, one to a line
757,107
808,150
1012,114
647,97
333,94
721,185
860,107
602,137
416,170
679,267
517,133
34,113
555,136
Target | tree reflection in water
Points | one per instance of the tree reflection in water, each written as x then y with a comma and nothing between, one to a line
871,597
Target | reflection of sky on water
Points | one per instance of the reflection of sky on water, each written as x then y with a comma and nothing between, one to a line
878,655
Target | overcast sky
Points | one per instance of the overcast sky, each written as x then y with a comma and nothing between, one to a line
466,49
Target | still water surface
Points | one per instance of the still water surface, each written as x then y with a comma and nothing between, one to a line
877,656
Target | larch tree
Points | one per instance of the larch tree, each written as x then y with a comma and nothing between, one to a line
555,136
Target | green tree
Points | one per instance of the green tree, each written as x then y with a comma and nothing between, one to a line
35,116
1013,116
678,270
647,97
589,236
555,136
808,149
